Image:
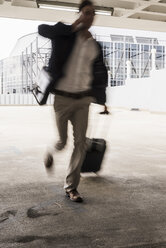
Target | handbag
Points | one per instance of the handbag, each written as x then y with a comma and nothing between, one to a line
43,87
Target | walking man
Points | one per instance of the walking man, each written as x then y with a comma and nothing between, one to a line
78,73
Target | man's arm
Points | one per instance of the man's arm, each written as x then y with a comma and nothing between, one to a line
51,31
59,29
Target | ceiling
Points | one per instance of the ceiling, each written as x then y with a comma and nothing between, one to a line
132,14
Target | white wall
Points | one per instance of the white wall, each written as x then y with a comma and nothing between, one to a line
158,91
143,93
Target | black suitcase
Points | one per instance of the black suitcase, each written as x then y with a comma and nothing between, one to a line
94,155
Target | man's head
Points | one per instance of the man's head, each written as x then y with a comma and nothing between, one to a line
87,11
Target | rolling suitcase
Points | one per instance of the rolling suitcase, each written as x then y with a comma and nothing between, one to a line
94,155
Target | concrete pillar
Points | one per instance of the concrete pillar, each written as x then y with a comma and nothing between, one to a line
109,78
153,52
31,66
36,58
128,63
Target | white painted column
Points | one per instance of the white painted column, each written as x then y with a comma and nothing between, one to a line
128,63
109,78
153,52
36,58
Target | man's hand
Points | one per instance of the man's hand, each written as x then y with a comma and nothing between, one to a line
78,24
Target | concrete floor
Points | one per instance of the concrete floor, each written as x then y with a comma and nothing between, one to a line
124,205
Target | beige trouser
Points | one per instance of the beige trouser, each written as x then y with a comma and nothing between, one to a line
75,110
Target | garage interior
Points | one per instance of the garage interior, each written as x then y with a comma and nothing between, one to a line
125,202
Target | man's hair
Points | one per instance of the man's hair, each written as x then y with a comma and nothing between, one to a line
84,3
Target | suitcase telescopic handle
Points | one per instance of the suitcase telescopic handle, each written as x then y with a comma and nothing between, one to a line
99,129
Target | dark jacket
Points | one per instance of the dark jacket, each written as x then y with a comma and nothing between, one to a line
63,40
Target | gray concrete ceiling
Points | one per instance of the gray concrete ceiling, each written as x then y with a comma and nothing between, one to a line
135,14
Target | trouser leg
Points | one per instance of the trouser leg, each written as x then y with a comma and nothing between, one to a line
62,112
79,120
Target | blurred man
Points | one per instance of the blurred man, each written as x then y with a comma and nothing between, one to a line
78,72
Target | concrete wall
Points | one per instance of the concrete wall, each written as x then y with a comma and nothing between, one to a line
143,93
158,91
